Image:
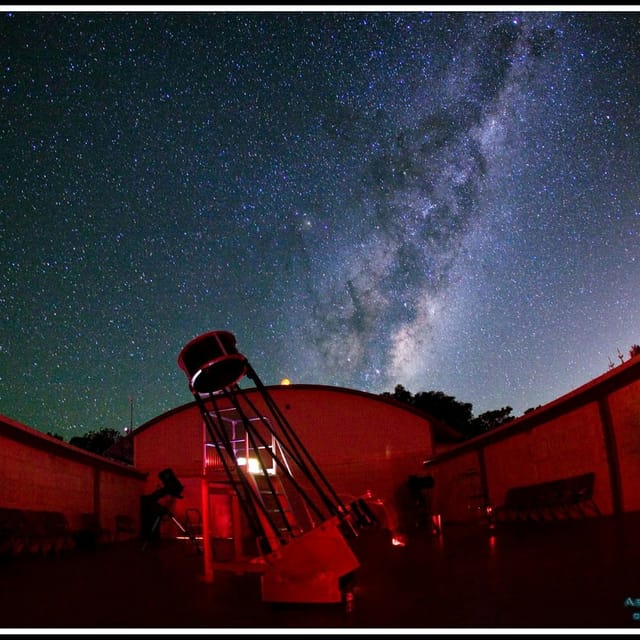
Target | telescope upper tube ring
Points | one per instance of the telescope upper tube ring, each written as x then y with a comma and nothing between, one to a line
212,362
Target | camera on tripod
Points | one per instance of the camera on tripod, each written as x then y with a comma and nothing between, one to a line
152,512
170,484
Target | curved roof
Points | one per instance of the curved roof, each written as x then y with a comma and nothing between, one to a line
440,429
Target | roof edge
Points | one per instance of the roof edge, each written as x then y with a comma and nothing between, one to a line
19,432
596,388
438,424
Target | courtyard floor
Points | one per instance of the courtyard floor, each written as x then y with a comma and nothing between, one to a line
568,576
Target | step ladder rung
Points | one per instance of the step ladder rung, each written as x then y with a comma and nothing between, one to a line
276,508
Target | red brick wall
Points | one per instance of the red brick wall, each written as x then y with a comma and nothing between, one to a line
175,441
40,480
568,445
624,405
595,428
38,472
457,485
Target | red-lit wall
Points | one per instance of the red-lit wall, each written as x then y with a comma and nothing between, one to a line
568,445
38,472
595,428
360,441
176,441
457,487
624,405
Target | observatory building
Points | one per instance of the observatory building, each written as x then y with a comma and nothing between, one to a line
263,470
365,444
275,479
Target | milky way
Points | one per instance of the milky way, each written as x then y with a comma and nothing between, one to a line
444,200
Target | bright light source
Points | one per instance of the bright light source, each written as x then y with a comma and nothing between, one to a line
398,540
252,467
285,381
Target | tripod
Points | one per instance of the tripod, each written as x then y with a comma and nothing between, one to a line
151,507
167,514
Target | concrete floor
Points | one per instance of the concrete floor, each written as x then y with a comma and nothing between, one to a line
570,575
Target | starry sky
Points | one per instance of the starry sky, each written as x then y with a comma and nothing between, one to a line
446,200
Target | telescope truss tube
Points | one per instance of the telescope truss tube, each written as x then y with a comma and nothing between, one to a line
305,554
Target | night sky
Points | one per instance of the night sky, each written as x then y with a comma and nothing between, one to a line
445,200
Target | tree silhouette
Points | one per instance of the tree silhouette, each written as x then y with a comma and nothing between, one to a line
459,415
490,420
96,441
446,408
456,414
401,394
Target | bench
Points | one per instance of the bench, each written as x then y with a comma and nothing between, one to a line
12,531
54,534
31,531
555,500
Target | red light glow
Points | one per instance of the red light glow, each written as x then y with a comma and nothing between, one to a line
398,541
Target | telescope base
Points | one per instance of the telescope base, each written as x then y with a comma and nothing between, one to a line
308,569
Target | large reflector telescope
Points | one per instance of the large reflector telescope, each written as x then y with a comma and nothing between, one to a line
297,517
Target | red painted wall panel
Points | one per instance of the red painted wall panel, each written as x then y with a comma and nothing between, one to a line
39,473
569,445
624,406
